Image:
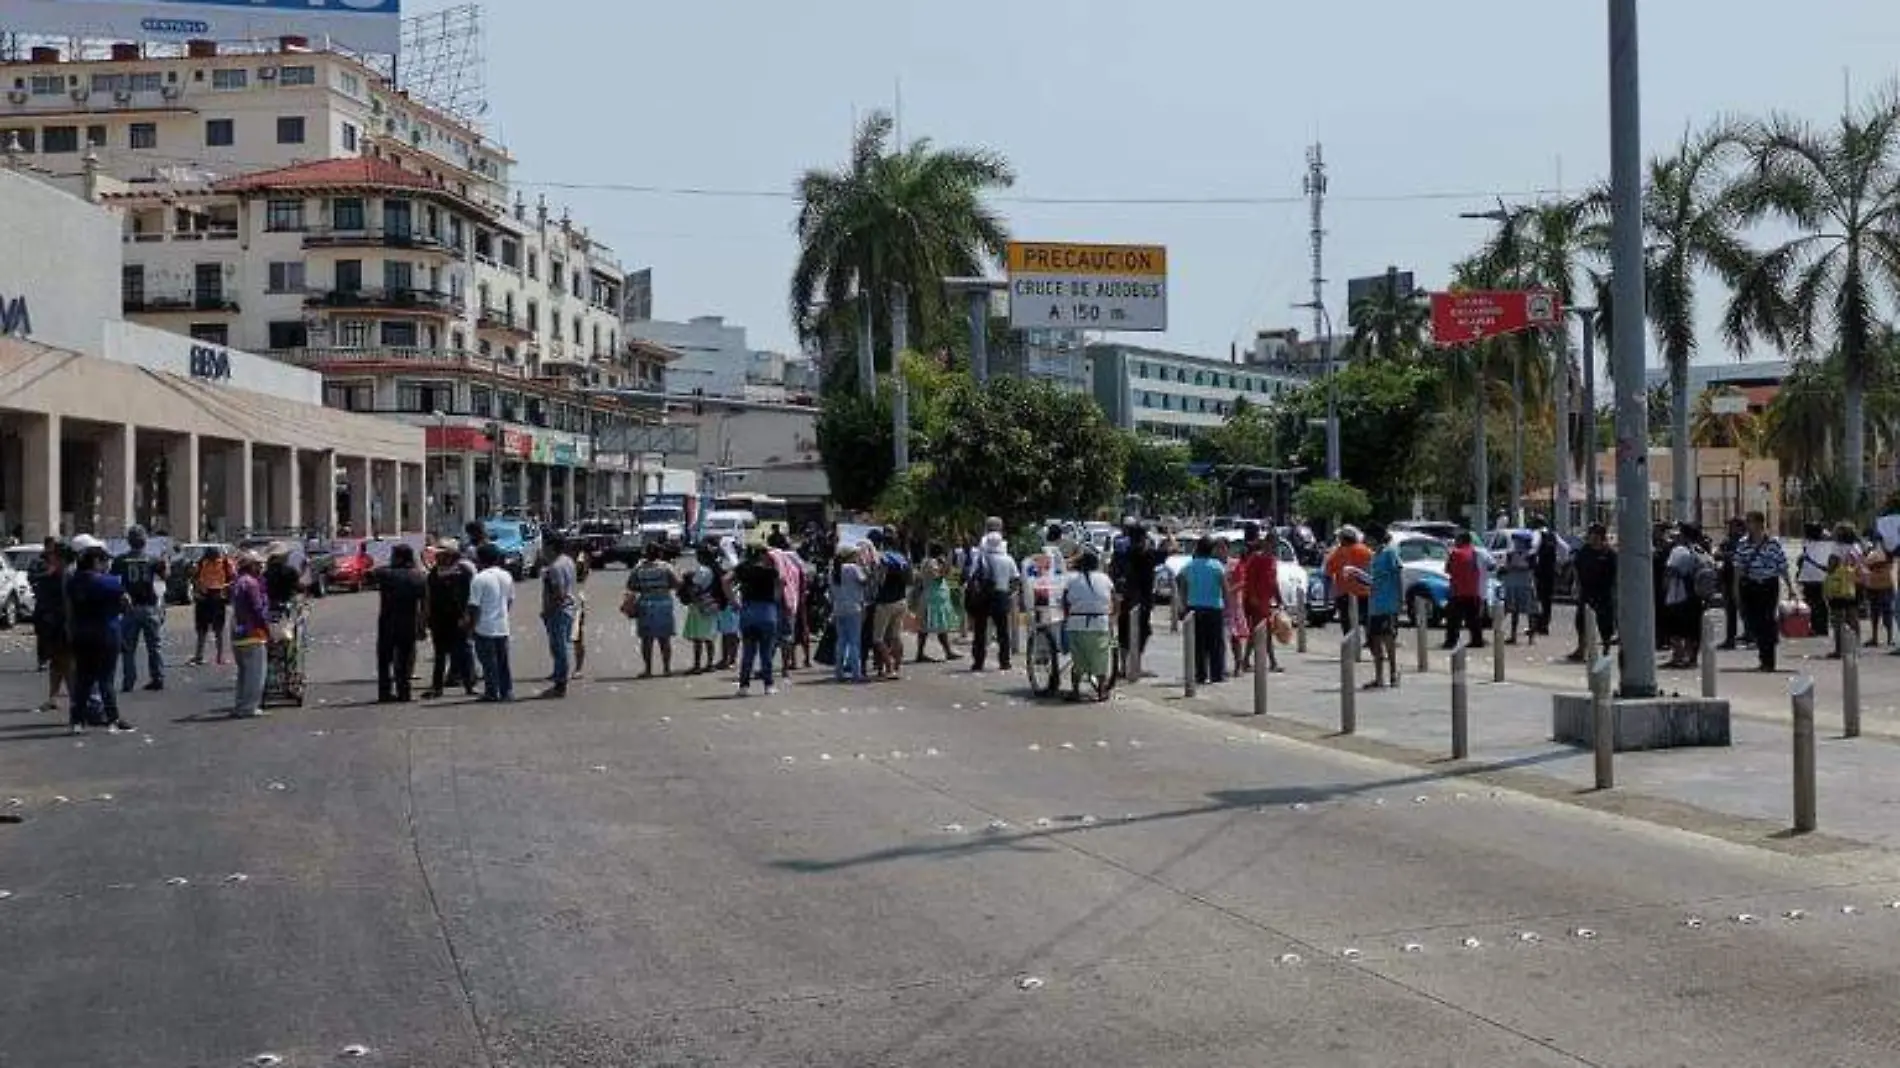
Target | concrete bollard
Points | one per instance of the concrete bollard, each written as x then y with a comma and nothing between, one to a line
1460,702
1187,652
1422,632
1850,685
1801,692
1603,720
1587,643
1352,615
1706,654
1349,683
1262,639
1497,643
1131,663
1299,624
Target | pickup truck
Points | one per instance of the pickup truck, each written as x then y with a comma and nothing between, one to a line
605,541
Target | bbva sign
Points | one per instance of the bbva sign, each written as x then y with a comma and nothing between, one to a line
15,319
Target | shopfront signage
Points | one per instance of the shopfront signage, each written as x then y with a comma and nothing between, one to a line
211,364
15,319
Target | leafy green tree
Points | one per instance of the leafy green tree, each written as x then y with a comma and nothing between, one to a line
1840,191
1158,473
1337,501
1025,451
1389,325
854,443
1385,408
1248,437
905,218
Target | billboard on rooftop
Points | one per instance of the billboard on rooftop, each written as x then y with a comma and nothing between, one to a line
373,26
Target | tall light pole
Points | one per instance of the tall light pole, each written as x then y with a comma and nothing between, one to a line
1325,318
976,294
1635,585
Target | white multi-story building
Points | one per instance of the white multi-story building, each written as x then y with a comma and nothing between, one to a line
1161,394
292,202
713,361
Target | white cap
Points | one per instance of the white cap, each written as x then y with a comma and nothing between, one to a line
83,542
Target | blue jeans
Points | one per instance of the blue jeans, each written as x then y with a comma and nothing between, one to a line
758,631
560,626
498,682
148,621
850,646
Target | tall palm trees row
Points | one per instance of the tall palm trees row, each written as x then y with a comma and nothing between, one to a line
1800,226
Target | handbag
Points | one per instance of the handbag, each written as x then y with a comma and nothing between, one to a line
827,651
1282,627
630,604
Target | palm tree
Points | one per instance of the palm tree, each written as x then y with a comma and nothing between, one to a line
1693,216
1732,427
907,218
1841,191
1388,325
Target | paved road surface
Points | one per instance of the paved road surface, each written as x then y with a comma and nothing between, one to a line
937,872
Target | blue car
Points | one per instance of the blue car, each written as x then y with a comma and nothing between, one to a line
520,543
1423,558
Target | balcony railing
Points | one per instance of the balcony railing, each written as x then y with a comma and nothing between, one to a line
153,303
400,299
341,359
502,320
374,236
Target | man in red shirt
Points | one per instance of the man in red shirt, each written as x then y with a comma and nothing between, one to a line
1466,609
1260,584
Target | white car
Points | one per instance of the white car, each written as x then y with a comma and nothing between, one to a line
16,590
1291,574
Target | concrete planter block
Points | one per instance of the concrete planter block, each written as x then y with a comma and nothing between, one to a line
1646,723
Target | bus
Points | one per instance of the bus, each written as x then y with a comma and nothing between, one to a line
769,511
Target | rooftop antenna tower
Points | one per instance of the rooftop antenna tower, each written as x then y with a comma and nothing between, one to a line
442,62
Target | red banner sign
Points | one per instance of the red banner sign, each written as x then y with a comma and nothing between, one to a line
515,444
1472,316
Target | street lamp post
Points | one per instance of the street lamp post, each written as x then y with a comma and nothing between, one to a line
1635,584
1586,316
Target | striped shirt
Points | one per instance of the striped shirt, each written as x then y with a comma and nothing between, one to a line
1763,561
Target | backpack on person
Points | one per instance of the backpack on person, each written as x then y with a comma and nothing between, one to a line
977,586
1840,585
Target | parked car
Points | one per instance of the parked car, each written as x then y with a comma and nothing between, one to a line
1423,559
1499,542
352,564
519,540
16,590
664,524
182,564
1292,573
1441,529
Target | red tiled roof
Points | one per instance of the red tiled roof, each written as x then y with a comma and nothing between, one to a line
354,171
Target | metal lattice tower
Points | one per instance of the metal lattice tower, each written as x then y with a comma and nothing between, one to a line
442,64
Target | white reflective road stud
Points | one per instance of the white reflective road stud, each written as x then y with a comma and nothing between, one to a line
1028,982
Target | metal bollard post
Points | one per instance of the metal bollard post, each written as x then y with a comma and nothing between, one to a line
1187,652
1603,721
1349,683
1299,624
1460,702
1262,638
1801,691
1352,615
1422,632
1710,621
1497,643
1587,641
1850,684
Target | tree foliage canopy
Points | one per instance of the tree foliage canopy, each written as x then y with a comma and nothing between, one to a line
1025,450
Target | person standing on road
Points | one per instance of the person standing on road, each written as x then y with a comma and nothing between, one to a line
250,636
211,598
50,629
893,593
558,607
1815,549
448,607
1382,622
1201,587
650,593
1682,600
1596,590
994,579
1731,579
1878,564
1088,602
1346,568
848,582
95,608
1466,607
1520,584
791,577
1233,606
701,591
1764,575
140,574
1543,576
1260,586
936,606
490,597
1133,569
402,602
761,593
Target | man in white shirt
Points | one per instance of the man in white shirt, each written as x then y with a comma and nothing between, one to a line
994,577
490,597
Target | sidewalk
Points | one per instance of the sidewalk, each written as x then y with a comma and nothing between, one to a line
1742,793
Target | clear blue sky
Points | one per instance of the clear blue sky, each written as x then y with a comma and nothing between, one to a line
1114,98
